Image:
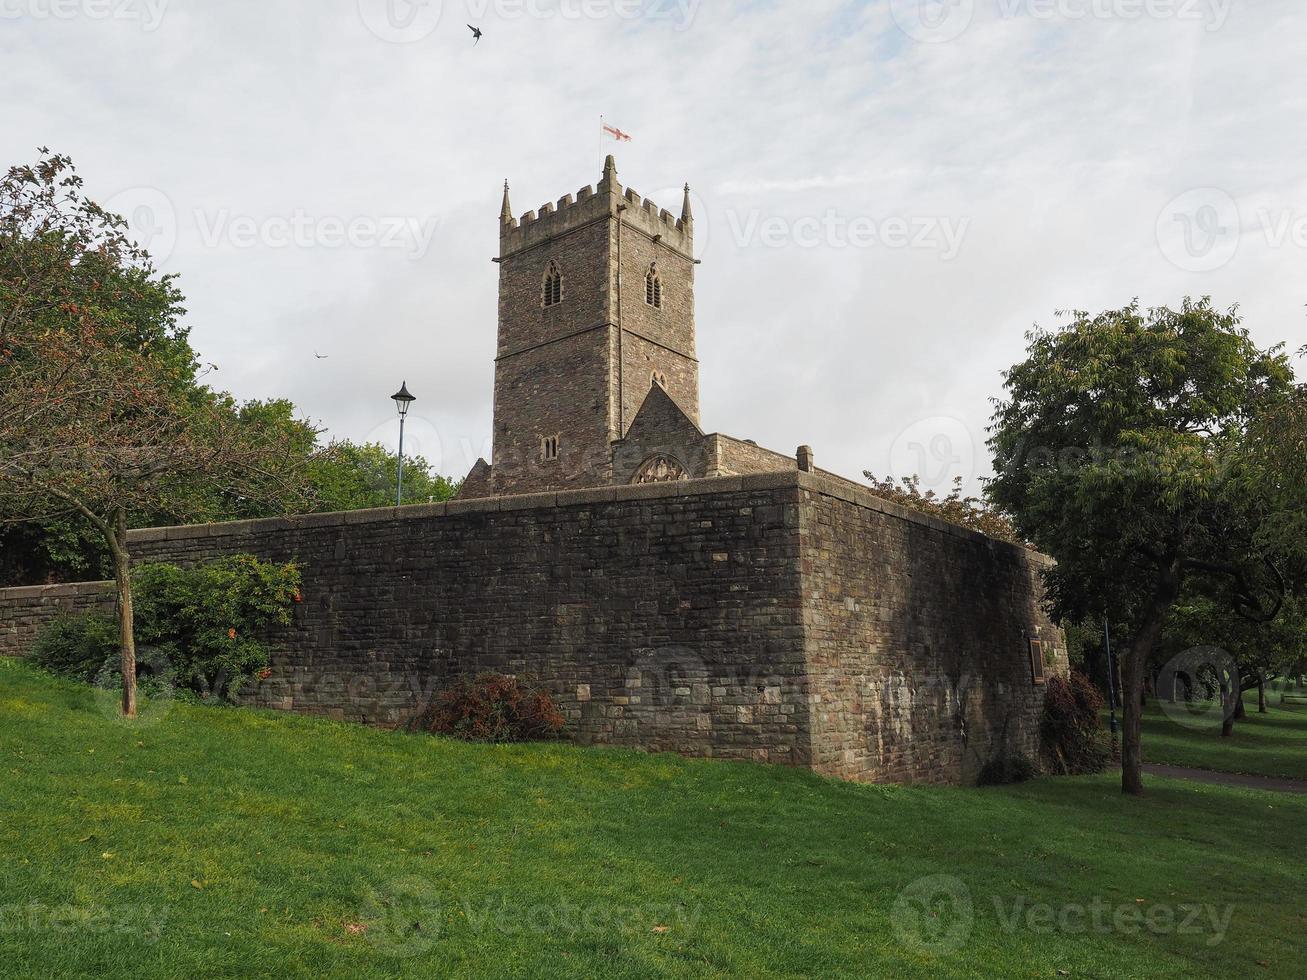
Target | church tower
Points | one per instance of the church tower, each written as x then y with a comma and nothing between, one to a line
596,306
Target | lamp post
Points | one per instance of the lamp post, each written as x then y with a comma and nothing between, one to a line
402,400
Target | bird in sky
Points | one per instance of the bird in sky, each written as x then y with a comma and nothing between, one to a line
476,34
321,357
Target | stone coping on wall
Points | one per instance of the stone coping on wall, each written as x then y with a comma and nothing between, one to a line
822,482
70,590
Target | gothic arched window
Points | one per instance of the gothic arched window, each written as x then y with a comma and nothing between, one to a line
553,285
653,287
661,469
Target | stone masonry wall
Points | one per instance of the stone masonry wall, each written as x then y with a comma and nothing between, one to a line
650,613
661,428
653,339
918,640
552,363
736,457
25,611
784,617
560,390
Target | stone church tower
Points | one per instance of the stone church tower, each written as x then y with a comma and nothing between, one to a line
596,377
596,305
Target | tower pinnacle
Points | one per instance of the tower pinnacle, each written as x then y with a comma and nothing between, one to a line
506,213
609,179
687,215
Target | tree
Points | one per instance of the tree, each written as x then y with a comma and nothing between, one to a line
358,477
100,416
1251,653
1273,471
1121,449
342,476
61,549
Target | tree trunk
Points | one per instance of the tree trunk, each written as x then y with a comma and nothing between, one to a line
1227,715
1133,670
1232,708
1261,694
122,576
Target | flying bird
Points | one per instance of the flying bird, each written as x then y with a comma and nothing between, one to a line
476,34
321,357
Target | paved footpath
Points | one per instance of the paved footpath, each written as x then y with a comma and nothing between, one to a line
1238,780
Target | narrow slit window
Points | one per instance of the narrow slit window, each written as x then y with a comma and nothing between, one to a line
549,448
1037,661
553,285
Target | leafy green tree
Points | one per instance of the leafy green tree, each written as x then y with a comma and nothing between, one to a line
1121,449
100,415
357,477
343,476
1274,472
57,549
1259,652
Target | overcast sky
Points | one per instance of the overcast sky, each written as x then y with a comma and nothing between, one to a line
889,193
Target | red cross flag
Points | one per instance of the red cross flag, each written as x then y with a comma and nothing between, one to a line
616,133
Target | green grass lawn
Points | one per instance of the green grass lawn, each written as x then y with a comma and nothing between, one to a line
222,842
1273,744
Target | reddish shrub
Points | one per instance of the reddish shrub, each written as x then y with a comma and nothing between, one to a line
1072,726
492,708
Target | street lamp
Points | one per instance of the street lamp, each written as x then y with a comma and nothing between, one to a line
402,400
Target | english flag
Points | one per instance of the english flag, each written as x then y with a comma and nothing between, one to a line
616,133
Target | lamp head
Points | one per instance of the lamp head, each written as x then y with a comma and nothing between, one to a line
403,399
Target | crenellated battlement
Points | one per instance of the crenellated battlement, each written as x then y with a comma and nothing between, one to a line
606,200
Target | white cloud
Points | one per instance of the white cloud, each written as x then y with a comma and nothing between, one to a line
1059,140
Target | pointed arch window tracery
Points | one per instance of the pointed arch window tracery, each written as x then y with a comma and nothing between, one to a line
552,288
653,287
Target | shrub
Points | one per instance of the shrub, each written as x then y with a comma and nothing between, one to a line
1072,726
212,621
1007,768
971,512
491,708
77,646
208,623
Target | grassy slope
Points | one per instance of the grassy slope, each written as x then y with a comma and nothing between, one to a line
1273,744
293,825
